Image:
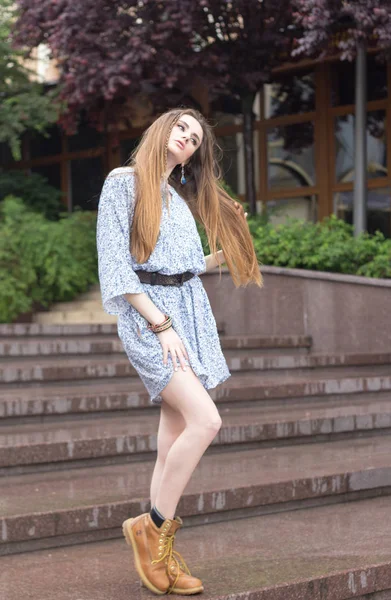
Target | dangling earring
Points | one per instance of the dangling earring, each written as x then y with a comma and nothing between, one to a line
183,178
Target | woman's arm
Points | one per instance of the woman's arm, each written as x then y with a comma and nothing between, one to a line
213,261
146,307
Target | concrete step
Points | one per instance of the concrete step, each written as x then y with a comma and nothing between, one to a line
15,346
117,365
47,509
21,330
88,304
64,317
309,554
89,313
75,329
68,399
44,446
88,296
92,294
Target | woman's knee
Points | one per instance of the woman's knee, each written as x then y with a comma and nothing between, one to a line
206,426
213,424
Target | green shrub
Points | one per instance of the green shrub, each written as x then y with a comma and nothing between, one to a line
35,191
328,245
42,261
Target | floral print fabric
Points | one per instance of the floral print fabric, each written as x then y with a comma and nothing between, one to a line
178,249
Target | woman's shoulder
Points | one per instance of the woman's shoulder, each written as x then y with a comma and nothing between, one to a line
118,171
119,185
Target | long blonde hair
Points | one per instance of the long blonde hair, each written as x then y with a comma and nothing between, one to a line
210,205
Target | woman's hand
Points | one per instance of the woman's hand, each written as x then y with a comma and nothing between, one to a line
170,341
240,209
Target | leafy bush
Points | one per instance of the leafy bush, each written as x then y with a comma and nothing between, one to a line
34,190
328,245
42,261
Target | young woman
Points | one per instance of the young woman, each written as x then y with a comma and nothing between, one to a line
150,258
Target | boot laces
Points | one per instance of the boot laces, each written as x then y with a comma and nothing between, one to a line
171,556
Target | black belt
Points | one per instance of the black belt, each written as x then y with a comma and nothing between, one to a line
156,278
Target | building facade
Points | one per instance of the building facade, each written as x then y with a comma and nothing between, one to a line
303,138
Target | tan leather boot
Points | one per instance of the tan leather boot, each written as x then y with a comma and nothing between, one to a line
181,580
157,563
148,542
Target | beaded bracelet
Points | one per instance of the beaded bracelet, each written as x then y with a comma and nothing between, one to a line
160,326
163,327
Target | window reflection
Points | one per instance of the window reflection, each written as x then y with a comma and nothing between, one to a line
304,208
291,156
126,148
290,95
87,182
45,146
345,146
232,163
343,81
378,209
52,174
87,137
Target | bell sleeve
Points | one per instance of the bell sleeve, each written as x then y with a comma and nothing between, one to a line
114,221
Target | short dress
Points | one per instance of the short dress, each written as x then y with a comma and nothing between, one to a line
178,249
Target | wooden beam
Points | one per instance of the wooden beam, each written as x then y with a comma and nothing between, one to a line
280,193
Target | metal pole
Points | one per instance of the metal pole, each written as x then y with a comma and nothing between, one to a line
360,160
248,139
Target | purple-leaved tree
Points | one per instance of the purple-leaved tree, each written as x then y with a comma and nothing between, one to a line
110,51
368,20
107,51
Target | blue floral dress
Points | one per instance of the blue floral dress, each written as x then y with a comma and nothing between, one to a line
178,249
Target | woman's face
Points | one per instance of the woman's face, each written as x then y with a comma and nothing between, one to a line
186,137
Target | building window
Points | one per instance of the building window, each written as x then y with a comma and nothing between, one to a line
303,207
126,148
291,156
52,174
39,145
86,182
343,81
345,146
291,94
378,209
86,137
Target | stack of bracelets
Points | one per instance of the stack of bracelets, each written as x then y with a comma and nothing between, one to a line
166,324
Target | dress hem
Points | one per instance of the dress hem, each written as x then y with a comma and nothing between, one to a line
154,399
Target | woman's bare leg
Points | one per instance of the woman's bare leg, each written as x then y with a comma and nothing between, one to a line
171,426
186,395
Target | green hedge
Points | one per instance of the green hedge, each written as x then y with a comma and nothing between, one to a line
328,245
43,261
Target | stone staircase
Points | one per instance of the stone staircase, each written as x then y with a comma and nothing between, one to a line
295,489
86,309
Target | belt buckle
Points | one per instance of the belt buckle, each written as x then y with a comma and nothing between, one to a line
153,277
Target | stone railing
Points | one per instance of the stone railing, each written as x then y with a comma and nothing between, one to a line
340,312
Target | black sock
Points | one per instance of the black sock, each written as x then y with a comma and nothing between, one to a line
157,517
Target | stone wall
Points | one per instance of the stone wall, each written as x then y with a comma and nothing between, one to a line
340,312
